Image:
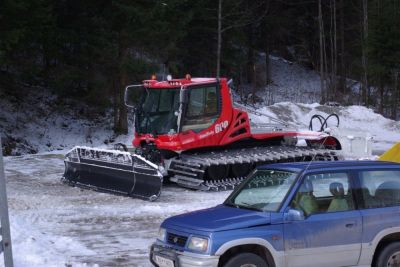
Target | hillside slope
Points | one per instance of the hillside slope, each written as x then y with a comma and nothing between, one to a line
41,122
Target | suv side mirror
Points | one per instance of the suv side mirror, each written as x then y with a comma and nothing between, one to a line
133,94
292,215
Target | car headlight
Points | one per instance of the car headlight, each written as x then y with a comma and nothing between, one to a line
198,243
161,234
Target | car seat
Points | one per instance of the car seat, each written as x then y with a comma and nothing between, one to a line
305,198
388,193
339,202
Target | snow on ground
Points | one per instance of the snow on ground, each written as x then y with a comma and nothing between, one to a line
53,224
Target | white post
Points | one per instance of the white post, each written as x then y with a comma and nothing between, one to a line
5,243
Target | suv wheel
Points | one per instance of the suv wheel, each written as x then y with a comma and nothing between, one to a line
390,255
246,260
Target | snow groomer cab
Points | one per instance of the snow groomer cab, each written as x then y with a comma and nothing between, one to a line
338,213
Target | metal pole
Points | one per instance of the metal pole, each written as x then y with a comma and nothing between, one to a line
5,244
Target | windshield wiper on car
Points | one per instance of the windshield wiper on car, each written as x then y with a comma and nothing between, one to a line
243,205
230,204
249,206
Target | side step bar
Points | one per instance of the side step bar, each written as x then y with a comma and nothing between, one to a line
113,171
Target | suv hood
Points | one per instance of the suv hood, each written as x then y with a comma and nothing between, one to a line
219,218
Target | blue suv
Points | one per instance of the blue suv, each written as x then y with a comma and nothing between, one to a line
342,213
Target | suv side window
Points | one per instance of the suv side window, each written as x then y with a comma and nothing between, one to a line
325,192
380,188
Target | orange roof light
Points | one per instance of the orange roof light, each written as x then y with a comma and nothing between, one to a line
175,83
153,77
188,77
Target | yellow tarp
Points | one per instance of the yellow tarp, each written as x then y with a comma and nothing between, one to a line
392,154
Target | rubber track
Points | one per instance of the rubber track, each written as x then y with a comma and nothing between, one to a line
189,170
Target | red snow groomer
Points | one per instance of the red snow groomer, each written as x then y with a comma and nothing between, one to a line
190,131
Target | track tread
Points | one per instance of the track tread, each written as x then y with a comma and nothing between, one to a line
255,155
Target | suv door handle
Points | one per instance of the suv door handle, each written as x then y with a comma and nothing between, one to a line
350,225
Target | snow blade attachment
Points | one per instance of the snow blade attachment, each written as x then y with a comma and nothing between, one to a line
113,171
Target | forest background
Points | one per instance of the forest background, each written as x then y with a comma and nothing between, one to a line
90,50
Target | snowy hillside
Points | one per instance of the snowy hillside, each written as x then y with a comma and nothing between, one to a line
41,122
357,120
291,82
47,128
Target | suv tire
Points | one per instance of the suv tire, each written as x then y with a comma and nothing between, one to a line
389,255
246,260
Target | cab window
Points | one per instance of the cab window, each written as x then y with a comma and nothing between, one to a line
202,108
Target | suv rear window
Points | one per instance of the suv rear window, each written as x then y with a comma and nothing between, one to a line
380,188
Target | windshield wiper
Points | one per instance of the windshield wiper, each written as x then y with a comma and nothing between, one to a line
247,206
231,205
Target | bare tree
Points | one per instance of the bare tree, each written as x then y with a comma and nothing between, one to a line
333,50
395,95
235,16
342,49
219,37
120,110
321,51
364,56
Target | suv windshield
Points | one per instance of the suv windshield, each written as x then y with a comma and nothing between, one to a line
264,190
156,113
